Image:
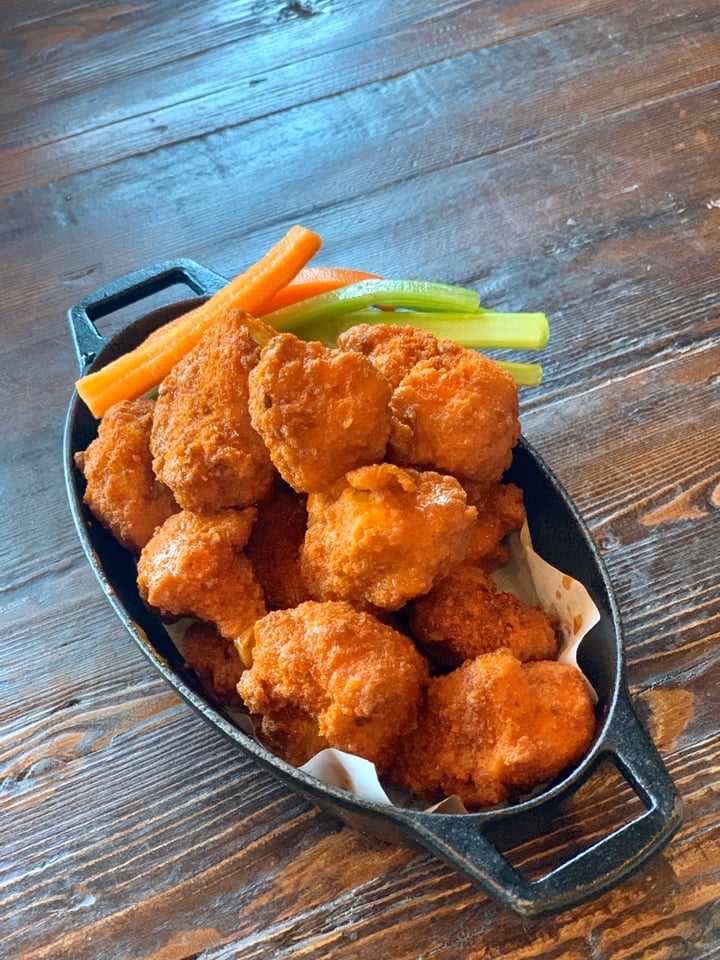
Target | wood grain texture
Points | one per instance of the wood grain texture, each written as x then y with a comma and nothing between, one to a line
557,156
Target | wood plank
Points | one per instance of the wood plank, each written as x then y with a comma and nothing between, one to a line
398,889
413,64
524,242
558,156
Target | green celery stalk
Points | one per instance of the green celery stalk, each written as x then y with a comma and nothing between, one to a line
524,374
480,330
487,330
410,294
448,311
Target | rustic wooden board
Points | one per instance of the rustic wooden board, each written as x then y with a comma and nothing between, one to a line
558,156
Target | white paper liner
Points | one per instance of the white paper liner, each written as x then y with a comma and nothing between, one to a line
526,575
530,577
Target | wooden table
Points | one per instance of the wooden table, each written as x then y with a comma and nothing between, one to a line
559,156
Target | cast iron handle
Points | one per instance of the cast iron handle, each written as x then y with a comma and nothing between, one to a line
459,839
128,289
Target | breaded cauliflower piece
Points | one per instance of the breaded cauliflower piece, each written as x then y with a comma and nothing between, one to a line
215,660
501,510
195,566
385,535
395,350
204,446
466,614
122,490
321,411
458,414
291,734
274,547
495,728
325,674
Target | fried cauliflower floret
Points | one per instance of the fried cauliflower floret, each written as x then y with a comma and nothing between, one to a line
122,491
325,674
195,566
385,536
215,660
500,510
495,728
394,350
320,411
274,547
204,446
466,615
291,734
458,414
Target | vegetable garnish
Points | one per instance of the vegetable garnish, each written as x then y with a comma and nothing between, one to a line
479,330
137,372
448,311
410,294
524,374
318,303
312,281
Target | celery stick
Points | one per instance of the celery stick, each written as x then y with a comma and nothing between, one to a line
412,294
487,329
447,311
481,330
524,374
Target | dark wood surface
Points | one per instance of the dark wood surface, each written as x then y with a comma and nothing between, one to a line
559,156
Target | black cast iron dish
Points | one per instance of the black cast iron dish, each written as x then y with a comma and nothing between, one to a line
559,535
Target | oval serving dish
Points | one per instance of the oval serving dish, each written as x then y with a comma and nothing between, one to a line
559,536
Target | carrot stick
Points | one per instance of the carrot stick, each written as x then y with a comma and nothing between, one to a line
134,373
312,281
309,282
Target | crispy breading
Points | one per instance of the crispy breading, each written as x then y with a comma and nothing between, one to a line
494,729
325,674
122,491
321,411
466,614
215,660
195,566
274,547
395,350
458,414
204,446
501,510
292,734
385,535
